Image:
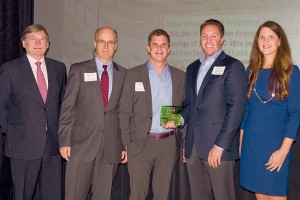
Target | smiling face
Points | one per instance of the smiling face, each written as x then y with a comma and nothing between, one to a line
36,44
211,40
268,42
158,49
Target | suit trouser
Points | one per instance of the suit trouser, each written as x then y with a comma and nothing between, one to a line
95,176
47,172
209,183
159,156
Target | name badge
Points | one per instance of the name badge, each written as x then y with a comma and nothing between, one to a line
218,70
139,87
90,77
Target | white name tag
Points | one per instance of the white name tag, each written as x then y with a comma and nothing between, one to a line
218,70
90,77
139,87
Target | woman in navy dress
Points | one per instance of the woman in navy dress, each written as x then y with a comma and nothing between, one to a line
272,115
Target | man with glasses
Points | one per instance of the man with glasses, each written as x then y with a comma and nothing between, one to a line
89,133
151,147
32,88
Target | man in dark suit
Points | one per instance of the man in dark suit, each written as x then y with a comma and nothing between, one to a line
32,88
89,133
213,109
150,146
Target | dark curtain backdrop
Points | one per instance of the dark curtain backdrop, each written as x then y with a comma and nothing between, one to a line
15,16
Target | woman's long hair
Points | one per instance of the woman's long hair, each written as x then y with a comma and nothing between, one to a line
282,64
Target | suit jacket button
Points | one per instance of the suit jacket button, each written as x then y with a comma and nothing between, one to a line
44,124
104,112
45,109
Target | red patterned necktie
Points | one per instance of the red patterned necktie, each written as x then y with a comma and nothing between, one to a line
104,85
41,81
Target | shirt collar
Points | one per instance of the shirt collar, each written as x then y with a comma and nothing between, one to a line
212,58
32,60
99,64
151,68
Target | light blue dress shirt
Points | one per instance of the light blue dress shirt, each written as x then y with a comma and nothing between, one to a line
109,72
205,66
161,93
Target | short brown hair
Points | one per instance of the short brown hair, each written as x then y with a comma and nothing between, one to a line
34,28
213,22
158,32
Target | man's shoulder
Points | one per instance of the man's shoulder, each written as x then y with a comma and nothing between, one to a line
176,71
53,61
83,65
137,69
230,61
12,63
119,67
193,65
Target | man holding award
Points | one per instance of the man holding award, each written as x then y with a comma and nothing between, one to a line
150,144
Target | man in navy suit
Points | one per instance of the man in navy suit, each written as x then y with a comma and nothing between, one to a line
32,88
213,109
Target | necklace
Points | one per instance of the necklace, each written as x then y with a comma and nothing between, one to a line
263,101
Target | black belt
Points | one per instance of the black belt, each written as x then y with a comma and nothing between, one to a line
161,135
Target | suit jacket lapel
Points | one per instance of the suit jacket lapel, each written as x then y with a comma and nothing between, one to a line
175,87
208,76
146,82
92,68
51,78
194,78
115,90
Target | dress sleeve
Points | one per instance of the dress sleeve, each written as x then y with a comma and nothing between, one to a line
246,106
245,115
294,104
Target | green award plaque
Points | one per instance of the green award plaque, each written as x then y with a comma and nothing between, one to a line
170,113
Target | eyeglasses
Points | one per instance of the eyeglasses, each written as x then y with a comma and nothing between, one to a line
162,46
33,39
104,43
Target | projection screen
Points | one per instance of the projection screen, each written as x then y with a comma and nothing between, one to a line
135,19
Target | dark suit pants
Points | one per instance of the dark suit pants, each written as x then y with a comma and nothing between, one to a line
47,172
208,183
96,176
159,156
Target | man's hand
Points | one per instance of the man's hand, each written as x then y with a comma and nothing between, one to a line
214,157
124,157
65,152
169,124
